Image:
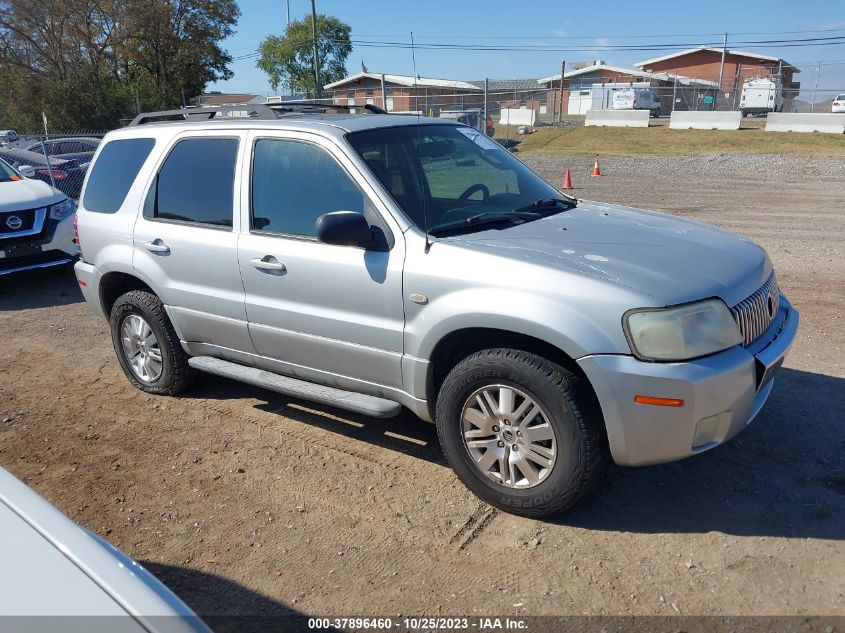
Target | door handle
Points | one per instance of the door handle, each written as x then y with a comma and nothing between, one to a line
268,264
157,246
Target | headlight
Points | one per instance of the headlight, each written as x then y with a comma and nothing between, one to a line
682,332
62,209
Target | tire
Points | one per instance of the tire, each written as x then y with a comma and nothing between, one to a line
565,402
174,375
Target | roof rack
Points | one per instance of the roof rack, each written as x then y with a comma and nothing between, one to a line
252,111
257,111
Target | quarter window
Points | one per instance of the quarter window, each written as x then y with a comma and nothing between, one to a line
113,173
294,183
196,183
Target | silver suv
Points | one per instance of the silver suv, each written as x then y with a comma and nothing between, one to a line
372,262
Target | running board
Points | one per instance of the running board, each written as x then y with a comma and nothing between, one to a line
348,400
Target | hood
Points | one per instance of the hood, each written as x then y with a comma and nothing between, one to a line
672,259
27,193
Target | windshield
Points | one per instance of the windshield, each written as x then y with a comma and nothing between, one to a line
7,174
448,173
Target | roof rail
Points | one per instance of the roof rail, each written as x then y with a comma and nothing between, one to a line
259,111
252,111
316,106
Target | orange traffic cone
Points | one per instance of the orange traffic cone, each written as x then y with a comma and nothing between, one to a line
567,182
596,170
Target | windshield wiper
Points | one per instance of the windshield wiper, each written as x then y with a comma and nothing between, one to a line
517,216
544,204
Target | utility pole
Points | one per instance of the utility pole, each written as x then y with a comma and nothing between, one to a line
287,2
317,90
721,69
560,110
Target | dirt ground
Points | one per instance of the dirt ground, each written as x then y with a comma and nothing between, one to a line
245,502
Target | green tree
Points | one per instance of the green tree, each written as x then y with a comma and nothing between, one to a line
174,45
289,58
84,61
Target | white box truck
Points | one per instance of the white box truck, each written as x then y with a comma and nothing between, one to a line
760,96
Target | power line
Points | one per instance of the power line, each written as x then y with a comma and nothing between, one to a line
753,44
588,37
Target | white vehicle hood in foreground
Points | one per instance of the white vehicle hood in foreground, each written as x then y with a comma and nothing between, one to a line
53,567
27,193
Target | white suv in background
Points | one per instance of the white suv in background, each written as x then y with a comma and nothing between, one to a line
838,104
36,223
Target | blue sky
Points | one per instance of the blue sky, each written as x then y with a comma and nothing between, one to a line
584,23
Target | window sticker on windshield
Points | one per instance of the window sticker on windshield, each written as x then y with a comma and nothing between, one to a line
478,138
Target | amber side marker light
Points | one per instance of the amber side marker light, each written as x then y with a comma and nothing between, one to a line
659,402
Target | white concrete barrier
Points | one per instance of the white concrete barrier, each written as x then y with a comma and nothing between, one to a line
617,118
518,116
705,120
805,122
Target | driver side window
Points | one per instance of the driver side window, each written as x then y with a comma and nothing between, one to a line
294,183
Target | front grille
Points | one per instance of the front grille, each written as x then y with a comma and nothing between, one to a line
45,257
755,314
15,221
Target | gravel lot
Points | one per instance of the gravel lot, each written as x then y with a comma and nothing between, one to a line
247,502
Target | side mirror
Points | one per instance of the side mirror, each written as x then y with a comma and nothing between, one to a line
27,171
344,228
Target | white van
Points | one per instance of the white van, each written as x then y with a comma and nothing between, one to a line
760,96
636,99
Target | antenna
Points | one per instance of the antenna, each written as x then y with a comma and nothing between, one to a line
419,147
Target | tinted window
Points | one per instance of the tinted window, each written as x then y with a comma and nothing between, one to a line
114,172
69,147
196,183
294,183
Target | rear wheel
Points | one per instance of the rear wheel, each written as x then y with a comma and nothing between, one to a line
147,345
521,432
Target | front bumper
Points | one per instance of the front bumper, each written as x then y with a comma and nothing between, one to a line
721,393
54,246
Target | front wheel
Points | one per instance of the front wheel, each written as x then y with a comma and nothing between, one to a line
523,433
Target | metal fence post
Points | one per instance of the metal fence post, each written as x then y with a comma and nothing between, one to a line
486,89
45,152
674,94
560,110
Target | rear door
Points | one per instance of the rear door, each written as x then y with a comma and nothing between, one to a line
186,238
336,310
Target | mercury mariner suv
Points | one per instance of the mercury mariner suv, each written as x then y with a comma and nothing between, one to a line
374,262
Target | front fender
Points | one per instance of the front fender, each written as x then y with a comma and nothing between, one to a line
544,317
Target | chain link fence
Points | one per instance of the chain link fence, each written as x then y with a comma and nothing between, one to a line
60,159
753,90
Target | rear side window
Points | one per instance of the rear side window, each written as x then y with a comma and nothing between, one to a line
196,183
113,173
